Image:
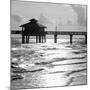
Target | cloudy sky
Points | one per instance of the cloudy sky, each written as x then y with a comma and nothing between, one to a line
65,16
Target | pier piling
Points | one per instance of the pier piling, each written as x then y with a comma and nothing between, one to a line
39,39
23,39
44,38
85,39
55,37
36,39
71,39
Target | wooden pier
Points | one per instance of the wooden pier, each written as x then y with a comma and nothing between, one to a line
56,34
33,28
67,33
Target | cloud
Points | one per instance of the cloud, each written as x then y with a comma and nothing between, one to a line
81,13
62,14
16,18
48,14
44,20
47,21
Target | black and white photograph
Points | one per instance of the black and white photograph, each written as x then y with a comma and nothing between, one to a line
48,44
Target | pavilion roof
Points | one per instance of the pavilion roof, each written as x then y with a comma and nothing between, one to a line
33,21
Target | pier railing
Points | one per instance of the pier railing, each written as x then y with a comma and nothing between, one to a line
66,33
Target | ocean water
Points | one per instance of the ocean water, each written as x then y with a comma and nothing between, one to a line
49,64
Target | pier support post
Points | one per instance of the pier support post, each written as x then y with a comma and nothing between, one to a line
23,36
23,39
55,38
36,39
39,38
26,39
44,38
85,39
71,39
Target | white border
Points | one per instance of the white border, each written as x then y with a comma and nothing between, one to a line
62,1
5,44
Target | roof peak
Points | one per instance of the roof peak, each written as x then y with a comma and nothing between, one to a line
33,20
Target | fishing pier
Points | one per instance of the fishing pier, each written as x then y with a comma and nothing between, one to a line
56,33
33,28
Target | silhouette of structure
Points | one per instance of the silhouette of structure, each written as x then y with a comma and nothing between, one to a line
56,33
33,28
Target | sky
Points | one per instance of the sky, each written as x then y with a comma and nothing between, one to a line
66,17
